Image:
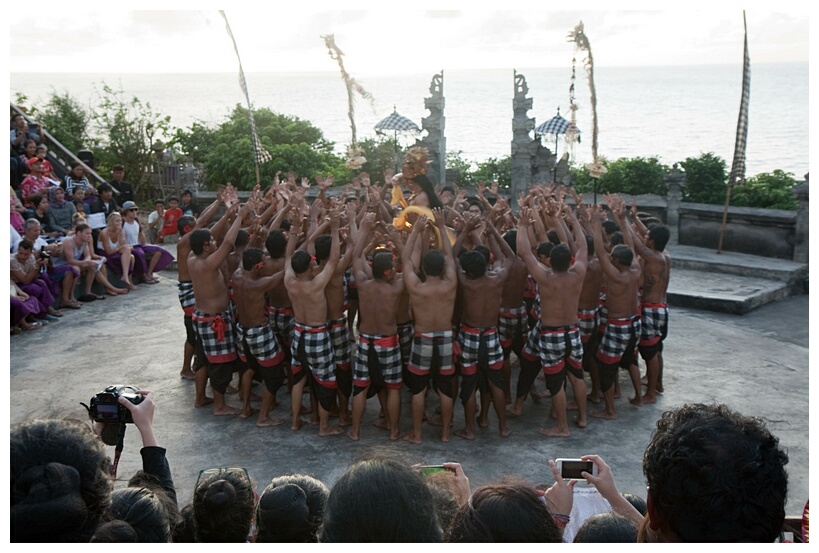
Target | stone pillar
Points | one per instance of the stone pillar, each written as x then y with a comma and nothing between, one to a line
674,182
434,125
522,143
800,246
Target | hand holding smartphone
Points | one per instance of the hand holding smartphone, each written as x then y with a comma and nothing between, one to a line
572,469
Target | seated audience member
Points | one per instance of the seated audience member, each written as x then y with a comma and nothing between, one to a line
380,500
61,475
78,253
39,211
188,206
155,221
60,276
19,162
223,505
17,211
22,132
169,219
607,528
291,509
113,246
450,491
28,273
184,532
76,180
637,502
506,513
23,308
34,183
136,515
104,202
60,212
713,475
48,170
147,258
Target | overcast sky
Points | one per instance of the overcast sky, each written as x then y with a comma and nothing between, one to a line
105,38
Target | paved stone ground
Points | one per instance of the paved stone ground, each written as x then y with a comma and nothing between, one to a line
757,364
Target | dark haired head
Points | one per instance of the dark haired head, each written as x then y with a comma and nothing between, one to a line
636,501
623,255
616,238
560,258
590,245
552,236
25,245
433,263
223,507
484,251
104,187
251,257
118,168
544,249
607,528
276,244
447,495
136,515
380,500
473,263
323,244
714,475
300,261
382,264
36,199
291,509
60,483
173,199
185,224
81,227
610,226
511,238
659,234
242,238
505,513
427,186
199,238
187,193
286,225
184,532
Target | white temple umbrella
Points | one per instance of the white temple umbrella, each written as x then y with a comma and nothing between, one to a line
397,123
557,125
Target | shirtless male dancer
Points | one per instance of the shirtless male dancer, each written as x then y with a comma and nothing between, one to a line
656,266
257,344
433,302
311,348
378,351
556,344
622,329
478,346
212,318
513,322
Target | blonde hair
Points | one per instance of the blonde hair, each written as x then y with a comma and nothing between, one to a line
111,216
77,218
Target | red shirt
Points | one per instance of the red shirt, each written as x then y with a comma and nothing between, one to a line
32,185
171,217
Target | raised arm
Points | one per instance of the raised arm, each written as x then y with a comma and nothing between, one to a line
450,271
523,246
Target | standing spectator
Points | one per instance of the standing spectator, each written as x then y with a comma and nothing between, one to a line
60,212
155,220
126,191
188,206
170,217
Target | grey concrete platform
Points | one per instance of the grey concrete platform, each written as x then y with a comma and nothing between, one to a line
757,363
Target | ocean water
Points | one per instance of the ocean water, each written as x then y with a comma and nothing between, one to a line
669,112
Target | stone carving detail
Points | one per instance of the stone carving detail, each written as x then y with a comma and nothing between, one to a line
531,161
435,125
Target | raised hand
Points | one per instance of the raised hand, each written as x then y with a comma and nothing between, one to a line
494,188
365,179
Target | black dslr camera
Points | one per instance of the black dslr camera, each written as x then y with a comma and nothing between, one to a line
105,406
44,254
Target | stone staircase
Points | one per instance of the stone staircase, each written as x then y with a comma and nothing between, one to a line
731,282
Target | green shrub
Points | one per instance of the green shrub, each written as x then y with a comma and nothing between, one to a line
767,190
634,176
705,179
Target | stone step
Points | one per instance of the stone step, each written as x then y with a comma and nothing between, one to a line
723,292
793,274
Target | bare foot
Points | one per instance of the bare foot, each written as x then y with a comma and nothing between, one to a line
504,432
354,436
636,400
246,414
571,405
202,403
331,431
554,432
444,436
113,292
464,434
483,422
602,414
580,423
345,420
121,290
649,399
660,389
267,421
226,411
410,437
187,375
593,398
381,423
131,286
395,435
514,410
296,424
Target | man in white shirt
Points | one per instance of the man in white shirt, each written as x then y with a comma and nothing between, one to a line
155,221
